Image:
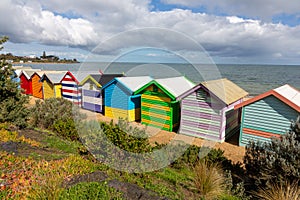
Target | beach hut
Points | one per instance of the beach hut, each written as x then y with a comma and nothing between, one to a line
120,100
70,89
25,81
159,104
91,90
207,110
269,114
37,85
52,85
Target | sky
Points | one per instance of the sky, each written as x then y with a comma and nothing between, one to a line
218,31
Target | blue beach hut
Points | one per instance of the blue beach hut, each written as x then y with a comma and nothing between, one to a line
119,98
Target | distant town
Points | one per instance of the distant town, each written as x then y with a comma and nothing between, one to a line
44,58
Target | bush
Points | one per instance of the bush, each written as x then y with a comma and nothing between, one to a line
277,161
58,115
92,190
12,102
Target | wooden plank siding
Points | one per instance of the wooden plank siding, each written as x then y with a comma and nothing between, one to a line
207,110
37,86
91,97
158,109
26,84
120,103
265,118
201,116
70,89
48,89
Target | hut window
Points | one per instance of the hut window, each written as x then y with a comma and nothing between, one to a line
91,86
155,89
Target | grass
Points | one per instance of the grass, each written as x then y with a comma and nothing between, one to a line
209,180
61,144
280,191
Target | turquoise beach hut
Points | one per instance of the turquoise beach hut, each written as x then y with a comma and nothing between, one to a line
119,98
269,114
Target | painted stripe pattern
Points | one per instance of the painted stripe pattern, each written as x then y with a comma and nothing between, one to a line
157,111
266,117
70,90
92,100
201,116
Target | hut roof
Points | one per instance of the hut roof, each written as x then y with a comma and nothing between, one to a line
28,73
225,90
134,83
174,86
54,78
100,79
81,75
285,93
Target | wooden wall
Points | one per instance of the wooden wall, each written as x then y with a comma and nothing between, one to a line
70,89
37,86
119,103
266,118
25,84
91,97
48,89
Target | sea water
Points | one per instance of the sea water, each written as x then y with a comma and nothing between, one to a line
255,79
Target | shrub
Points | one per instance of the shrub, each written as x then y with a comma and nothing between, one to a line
273,162
58,115
209,180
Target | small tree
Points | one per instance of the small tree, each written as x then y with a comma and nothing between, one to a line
12,102
274,162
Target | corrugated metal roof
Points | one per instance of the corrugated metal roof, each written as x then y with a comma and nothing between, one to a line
134,83
289,93
28,73
176,85
81,75
102,79
225,90
55,77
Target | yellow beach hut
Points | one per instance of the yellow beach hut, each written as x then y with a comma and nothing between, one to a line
51,84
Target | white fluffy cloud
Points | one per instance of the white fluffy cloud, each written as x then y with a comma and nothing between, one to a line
255,8
86,24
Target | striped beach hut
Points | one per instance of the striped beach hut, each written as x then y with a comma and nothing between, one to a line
207,110
269,114
52,85
159,104
91,90
70,89
25,81
120,100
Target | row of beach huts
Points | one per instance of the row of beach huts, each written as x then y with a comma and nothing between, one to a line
214,110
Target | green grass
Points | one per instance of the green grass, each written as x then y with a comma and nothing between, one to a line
65,146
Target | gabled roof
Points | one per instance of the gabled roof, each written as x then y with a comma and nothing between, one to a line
100,79
225,90
54,78
174,86
81,75
28,73
285,93
132,84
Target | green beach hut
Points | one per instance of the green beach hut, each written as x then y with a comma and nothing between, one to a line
159,105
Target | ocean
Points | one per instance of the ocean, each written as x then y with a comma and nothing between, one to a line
255,79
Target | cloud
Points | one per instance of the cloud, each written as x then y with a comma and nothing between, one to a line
265,9
116,25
